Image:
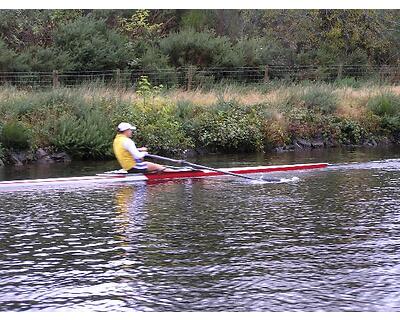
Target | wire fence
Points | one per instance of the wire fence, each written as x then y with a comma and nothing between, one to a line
191,78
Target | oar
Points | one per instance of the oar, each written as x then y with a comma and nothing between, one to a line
197,166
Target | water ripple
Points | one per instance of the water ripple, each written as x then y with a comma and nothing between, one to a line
329,242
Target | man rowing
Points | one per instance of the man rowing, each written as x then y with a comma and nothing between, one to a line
129,157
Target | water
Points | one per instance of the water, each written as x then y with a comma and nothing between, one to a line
328,242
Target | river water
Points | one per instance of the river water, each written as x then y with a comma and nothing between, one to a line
327,242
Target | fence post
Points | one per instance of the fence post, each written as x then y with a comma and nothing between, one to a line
266,74
118,78
190,74
56,82
340,72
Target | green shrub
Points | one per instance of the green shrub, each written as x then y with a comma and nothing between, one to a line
88,44
159,128
7,57
254,52
385,104
320,99
304,123
2,153
89,137
317,98
203,49
15,135
227,127
37,58
349,82
351,132
391,124
345,131
387,107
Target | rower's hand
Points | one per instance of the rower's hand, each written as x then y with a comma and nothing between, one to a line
142,149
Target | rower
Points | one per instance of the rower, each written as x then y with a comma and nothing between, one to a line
129,157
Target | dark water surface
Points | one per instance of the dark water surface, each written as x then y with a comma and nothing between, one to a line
328,242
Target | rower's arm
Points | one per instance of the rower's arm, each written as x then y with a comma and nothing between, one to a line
131,147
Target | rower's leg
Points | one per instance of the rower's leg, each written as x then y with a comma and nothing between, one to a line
154,167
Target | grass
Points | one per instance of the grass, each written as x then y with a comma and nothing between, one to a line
230,117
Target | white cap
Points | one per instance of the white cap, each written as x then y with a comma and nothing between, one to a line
125,126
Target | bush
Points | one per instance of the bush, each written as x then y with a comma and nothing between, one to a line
2,153
320,99
391,124
159,128
304,123
349,82
45,59
15,135
254,52
385,104
91,45
227,127
316,98
351,132
89,137
387,107
202,49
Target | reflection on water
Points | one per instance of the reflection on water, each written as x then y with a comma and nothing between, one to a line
327,242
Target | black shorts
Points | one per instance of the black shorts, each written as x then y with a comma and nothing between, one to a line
135,170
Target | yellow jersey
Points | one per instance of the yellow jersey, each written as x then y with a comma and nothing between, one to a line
124,157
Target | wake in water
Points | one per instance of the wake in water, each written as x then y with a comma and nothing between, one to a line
384,165
388,165
263,180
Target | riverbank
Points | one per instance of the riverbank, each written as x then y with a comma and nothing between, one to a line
78,123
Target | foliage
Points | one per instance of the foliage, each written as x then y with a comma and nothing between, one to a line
15,135
138,25
350,131
90,45
7,58
153,59
226,126
385,104
304,123
198,20
23,28
108,39
254,52
84,138
145,89
161,130
318,98
201,49
350,36
347,82
44,59
82,121
392,125
2,153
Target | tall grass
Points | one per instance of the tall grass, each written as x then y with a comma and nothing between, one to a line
81,120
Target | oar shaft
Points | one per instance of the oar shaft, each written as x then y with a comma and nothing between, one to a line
216,170
193,165
164,158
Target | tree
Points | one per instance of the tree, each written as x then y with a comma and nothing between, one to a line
348,34
7,57
203,49
22,28
90,45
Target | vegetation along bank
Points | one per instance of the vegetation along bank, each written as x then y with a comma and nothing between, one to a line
79,123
